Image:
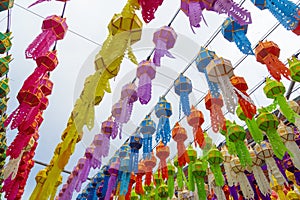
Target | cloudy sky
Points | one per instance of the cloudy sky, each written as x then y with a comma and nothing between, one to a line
87,21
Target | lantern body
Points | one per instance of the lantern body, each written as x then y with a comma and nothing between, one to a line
273,89
219,67
5,42
57,24
48,60
4,65
163,108
4,88
167,35
266,121
294,64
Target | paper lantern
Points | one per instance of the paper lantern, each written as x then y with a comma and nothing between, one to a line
284,11
134,196
147,129
4,87
203,59
100,149
199,169
139,178
234,10
163,192
135,144
109,129
113,170
164,39
193,9
150,163
242,178
234,32
183,87
214,105
294,65
171,173
180,175
163,110
215,158
54,28
230,176
163,152
4,61
179,135
148,190
131,182
267,53
146,72
220,71
5,42
6,4
196,119
288,137
261,179
237,135
149,8
265,152
124,168
192,154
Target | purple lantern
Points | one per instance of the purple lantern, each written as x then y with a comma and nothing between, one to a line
113,170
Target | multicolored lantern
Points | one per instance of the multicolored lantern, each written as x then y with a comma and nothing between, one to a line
113,170
4,61
147,129
237,135
164,39
268,53
192,154
150,163
276,90
203,59
163,110
242,178
215,158
5,42
265,152
54,28
285,11
146,72
193,9
268,123
183,87
139,178
234,32
135,144
196,119
294,65
6,4
179,135
171,173
214,105
220,71
163,152
199,169
260,177
149,8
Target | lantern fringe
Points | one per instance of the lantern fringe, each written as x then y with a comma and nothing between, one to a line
185,103
216,170
245,186
201,189
180,177
199,136
229,95
229,174
195,14
285,12
11,168
161,51
16,147
243,43
278,146
144,89
243,153
233,192
83,174
134,161
217,118
191,183
294,149
147,146
37,2
138,185
163,130
171,186
255,132
111,185
276,67
285,108
213,87
124,183
262,181
148,177
274,170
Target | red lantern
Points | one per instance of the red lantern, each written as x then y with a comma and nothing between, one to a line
150,163
163,152
196,119
179,135
139,178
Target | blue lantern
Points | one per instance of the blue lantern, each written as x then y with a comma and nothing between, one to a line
104,186
203,59
125,177
234,32
285,11
147,128
135,144
183,87
163,110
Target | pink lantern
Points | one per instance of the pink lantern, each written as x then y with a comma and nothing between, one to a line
149,8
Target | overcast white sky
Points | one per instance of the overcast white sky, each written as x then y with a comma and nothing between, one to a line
87,21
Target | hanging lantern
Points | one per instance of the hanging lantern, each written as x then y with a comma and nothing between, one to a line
135,144
109,129
193,9
294,65
54,28
139,178
220,71
84,166
113,171
5,42
285,11
230,176
199,169
268,123
147,129
131,182
100,149
203,59
242,178
163,152
4,87
192,154
276,90
149,8
234,32
134,196
265,152
124,168
4,61
163,110
163,192
183,87
214,105
148,190
157,181
261,179
288,137
267,53
215,158
237,135
164,39
196,119
180,174
171,173
6,4
296,108
150,163
146,72
179,136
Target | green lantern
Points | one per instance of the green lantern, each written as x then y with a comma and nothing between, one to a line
134,195
230,145
3,105
208,144
5,43
171,173
294,64
268,123
237,135
180,175
163,192
148,189
255,132
158,181
4,65
215,158
199,169
192,154
4,88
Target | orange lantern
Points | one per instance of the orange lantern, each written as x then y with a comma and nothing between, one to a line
196,119
139,178
150,163
163,152
179,135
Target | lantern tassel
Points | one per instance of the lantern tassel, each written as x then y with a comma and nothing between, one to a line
219,192
213,87
293,147
261,180
274,170
161,51
83,174
182,154
124,183
277,145
195,14
111,185
229,174
147,146
243,153
148,177
285,108
255,132
233,193
171,186
245,185
201,189
185,103
144,89
180,177
243,43
276,67
229,95
216,170
217,118
19,143
191,183
139,186
199,136
163,130
134,160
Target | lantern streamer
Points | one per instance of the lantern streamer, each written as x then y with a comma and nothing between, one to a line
243,43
